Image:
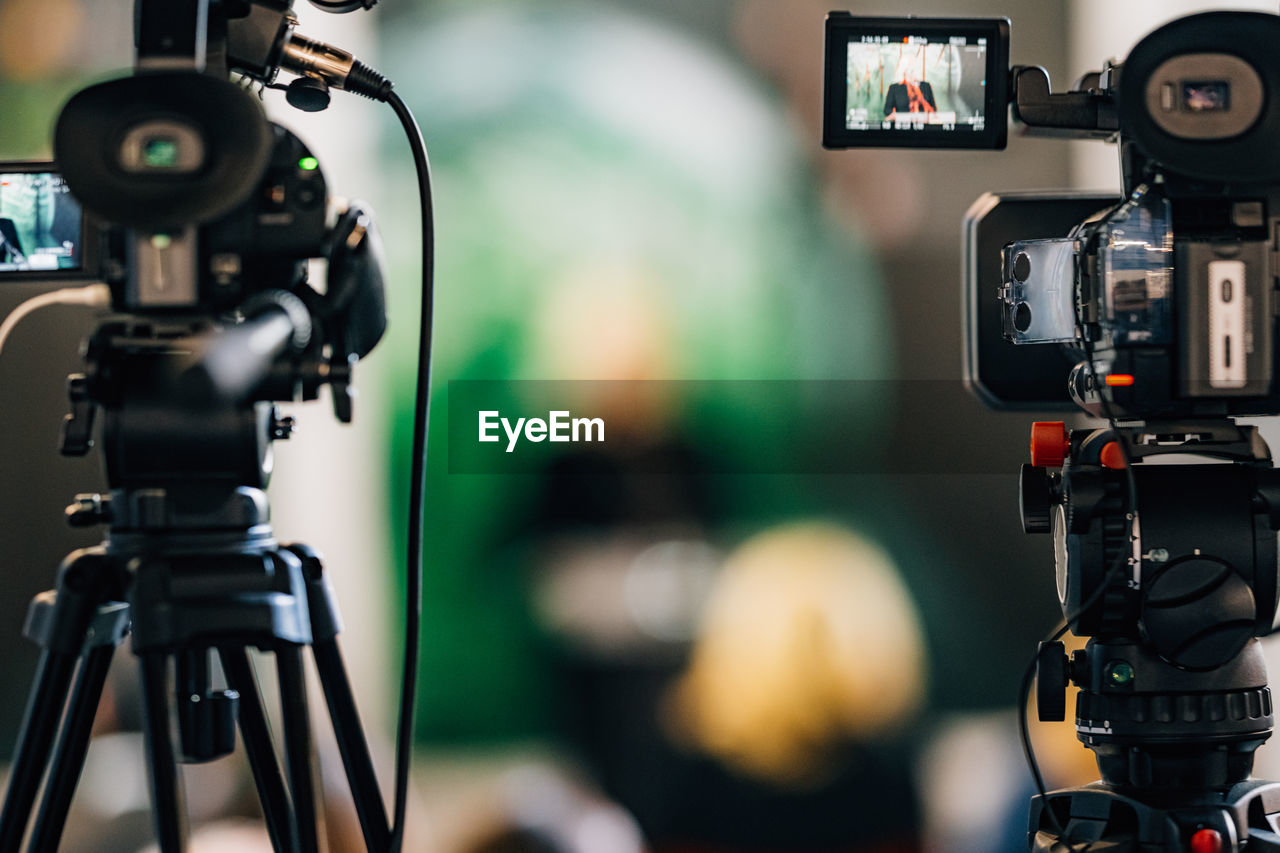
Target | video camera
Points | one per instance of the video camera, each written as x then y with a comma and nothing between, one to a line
1160,312
1172,282
200,215
198,209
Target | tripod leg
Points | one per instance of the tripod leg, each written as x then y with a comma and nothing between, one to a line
352,746
59,622
166,791
69,755
35,739
325,626
257,745
297,744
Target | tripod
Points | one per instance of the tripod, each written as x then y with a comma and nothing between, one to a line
189,597
191,569
1174,698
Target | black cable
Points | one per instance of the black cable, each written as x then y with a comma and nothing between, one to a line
418,453
1131,483
418,466
418,476
1024,694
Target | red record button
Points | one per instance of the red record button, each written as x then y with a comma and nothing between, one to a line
1206,841
1049,444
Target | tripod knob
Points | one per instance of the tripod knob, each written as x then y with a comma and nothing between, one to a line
207,724
1049,444
307,93
1051,682
1198,612
1035,495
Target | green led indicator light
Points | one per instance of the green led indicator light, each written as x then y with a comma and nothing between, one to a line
1120,673
161,241
308,164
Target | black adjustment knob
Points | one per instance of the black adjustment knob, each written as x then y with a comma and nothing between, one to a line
207,723
1198,612
1051,682
1035,497
309,94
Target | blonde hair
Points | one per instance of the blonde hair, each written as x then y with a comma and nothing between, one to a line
809,639
911,64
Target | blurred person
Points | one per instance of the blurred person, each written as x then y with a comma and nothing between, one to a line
647,249
909,95
802,687
653,248
809,638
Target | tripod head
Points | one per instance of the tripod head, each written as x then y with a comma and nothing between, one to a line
1171,570
1172,680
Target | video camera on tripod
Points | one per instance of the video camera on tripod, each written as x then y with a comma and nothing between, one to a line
1161,307
200,215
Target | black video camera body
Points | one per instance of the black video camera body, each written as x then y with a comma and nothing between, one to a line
173,187
1172,285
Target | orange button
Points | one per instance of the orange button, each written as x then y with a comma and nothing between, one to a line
1111,456
1049,444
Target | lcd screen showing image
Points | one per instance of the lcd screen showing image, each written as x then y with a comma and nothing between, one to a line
41,224
914,82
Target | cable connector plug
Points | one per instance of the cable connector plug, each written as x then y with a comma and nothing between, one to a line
323,65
